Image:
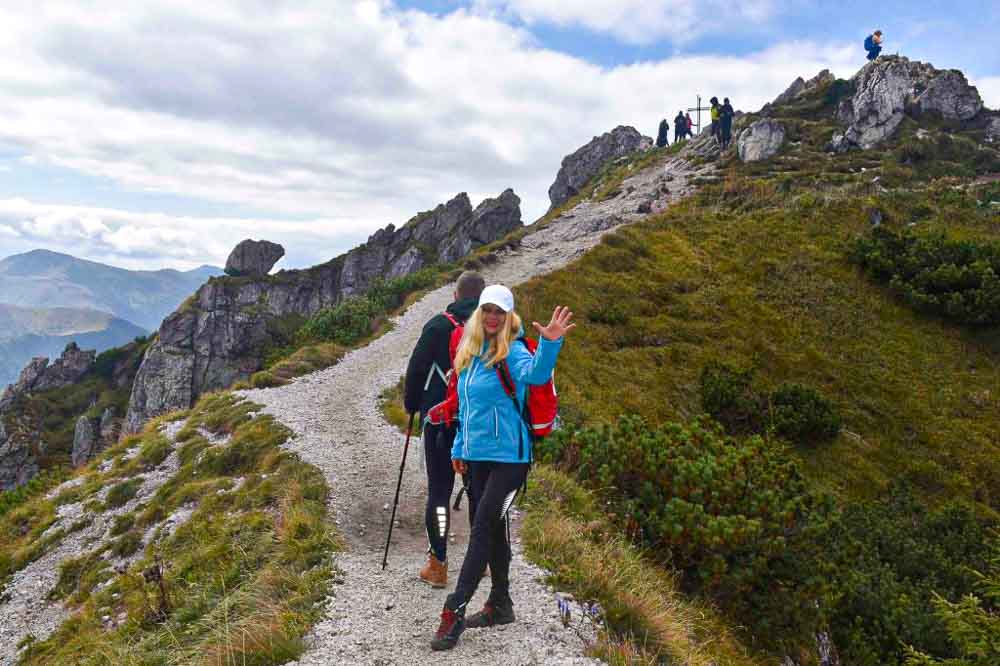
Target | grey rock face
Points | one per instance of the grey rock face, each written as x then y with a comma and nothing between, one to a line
886,89
109,427
18,459
253,258
586,162
791,92
993,131
219,338
86,441
38,375
760,141
800,87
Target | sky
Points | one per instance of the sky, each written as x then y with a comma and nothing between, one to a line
159,134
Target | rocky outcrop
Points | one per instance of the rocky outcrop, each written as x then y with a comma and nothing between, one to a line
579,167
253,258
760,141
18,455
800,87
219,337
889,88
992,134
86,440
39,376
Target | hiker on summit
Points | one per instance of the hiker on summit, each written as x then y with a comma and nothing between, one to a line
690,124
873,44
662,134
716,114
493,448
726,114
680,127
426,384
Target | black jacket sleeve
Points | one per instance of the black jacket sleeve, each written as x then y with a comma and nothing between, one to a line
420,364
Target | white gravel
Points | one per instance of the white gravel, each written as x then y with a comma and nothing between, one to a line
376,617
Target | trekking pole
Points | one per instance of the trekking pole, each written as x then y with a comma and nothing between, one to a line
395,502
457,506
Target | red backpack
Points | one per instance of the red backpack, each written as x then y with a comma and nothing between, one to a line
541,411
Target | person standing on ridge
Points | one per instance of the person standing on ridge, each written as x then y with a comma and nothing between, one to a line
425,387
726,114
493,448
661,135
873,44
680,127
690,124
716,113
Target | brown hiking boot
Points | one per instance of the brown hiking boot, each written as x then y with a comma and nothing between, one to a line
435,572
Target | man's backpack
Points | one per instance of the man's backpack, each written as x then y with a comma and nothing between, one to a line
541,411
869,43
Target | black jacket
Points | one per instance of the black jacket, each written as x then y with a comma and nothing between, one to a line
431,349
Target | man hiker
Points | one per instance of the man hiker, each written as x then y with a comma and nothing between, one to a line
716,114
661,136
425,387
873,44
690,124
680,127
726,114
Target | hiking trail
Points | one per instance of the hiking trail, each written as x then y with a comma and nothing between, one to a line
376,617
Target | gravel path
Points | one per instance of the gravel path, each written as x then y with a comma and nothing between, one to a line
376,617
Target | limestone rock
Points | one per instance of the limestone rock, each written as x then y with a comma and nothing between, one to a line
888,88
791,92
586,162
254,258
18,459
760,141
86,441
219,338
39,376
109,427
992,134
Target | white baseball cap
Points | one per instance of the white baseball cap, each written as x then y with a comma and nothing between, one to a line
498,295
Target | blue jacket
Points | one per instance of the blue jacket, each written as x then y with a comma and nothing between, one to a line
489,426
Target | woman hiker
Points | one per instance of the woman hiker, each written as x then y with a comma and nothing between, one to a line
493,447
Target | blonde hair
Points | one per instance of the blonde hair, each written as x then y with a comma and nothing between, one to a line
474,335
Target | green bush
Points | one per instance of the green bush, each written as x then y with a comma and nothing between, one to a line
120,494
722,512
956,279
797,413
801,414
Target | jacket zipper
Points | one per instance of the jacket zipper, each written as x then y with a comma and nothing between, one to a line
465,439
496,424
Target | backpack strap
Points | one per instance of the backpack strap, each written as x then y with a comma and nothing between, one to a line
435,368
507,381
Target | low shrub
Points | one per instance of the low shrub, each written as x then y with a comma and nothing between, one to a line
801,414
955,279
120,494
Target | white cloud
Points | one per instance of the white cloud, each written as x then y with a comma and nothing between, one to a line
639,21
989,90
348,115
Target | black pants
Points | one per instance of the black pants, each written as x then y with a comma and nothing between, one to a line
440,482
493,486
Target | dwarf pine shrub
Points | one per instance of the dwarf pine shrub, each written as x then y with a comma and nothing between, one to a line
955,279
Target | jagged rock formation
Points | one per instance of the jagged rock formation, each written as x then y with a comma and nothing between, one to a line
586,162
39,376
801,87
760,141
892,86
219,336
19,453
85,440
253,258
993,131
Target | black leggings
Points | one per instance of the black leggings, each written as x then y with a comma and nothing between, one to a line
493,486
440,483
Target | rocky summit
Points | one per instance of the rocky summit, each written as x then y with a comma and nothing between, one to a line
891,87
218,337
586,162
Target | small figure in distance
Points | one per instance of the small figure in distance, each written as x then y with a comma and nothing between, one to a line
661,136
716,116
873,44
726,119
680,127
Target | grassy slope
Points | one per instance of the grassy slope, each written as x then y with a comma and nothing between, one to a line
243,576
754,271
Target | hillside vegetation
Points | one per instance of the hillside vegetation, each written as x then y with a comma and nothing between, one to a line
837,314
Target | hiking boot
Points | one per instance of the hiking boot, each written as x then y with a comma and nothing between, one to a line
493,613
452,626
435,572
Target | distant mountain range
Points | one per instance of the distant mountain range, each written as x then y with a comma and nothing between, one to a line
48,299
29,332
41,278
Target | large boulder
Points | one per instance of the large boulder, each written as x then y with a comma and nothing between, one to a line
86,440
800,88
586,162
886,89
992,134
253,258
18,458
760,141
220,335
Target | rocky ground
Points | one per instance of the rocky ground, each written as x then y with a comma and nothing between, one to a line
377,617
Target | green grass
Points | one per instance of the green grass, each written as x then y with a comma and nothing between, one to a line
243,577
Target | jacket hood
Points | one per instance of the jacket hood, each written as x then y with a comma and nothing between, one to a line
463,309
